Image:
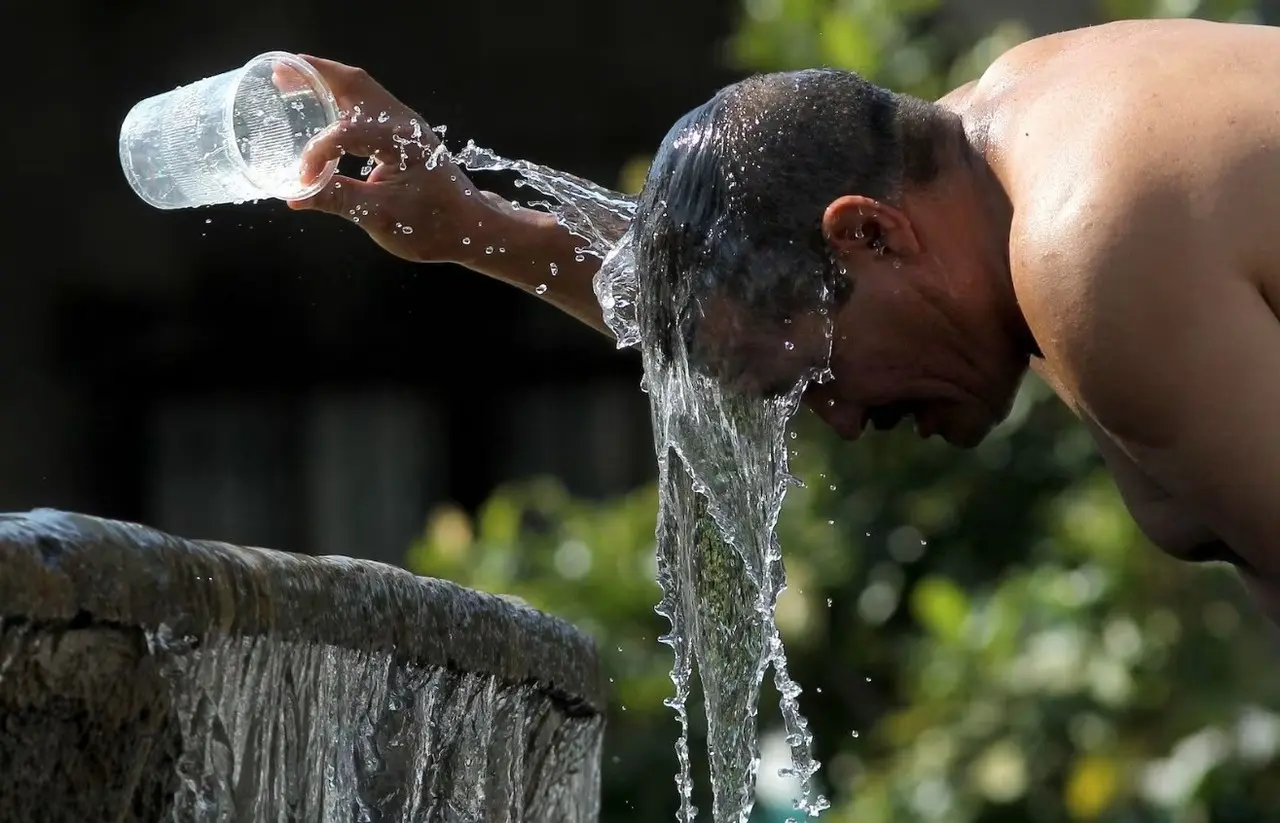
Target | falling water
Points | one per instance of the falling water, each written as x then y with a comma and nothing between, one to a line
261,729
722,463
300,731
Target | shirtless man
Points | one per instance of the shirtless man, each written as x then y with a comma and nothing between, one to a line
1101,207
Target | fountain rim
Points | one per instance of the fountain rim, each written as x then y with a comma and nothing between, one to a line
65,568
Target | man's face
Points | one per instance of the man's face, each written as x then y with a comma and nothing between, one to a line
894,356
757,353
899,354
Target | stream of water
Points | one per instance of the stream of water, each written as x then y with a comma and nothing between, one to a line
722,461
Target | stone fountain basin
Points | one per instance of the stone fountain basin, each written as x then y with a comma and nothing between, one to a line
146,677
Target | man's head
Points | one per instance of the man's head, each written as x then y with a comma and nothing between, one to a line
790,198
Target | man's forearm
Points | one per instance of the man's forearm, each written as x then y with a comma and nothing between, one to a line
530,250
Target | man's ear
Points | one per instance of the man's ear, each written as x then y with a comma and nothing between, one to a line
855,225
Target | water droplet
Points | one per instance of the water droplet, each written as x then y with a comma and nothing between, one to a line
854,733
488,249
579,258
502,249
467,192
466,241
208,220
453,178
832,487
542,288
407,230
554,269
830,602
794,435
383,117
789,346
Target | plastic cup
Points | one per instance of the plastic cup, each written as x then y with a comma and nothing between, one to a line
231,138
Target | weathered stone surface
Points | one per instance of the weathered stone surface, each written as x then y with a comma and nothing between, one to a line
146,677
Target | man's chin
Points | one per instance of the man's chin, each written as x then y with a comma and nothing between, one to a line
966,441
850,432
965,434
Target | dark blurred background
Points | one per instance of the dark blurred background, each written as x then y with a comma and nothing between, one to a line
982,637
273,378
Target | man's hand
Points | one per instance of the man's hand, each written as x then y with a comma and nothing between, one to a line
418,205
415,203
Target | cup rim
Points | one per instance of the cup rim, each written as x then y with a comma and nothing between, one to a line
327,100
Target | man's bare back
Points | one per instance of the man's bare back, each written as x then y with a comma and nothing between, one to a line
1138,174
1143,159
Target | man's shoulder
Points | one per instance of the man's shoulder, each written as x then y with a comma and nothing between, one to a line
1103,274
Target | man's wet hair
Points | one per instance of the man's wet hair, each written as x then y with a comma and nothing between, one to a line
734,199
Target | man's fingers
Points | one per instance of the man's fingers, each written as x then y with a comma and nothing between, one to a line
344,196
324,148
383,139
288,78
362,137
351,86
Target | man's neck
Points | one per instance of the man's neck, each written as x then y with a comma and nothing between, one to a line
977,198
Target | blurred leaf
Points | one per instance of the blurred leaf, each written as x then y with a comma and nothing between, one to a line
846,44
941,607
631,178
1091,787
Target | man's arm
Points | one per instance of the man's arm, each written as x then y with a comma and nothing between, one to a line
530,250
1176,355
1170,527
1174,529
427,211
1217,447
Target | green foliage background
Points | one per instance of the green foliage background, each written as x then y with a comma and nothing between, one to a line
982,637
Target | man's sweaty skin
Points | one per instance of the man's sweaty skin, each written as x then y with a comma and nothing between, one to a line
1140,162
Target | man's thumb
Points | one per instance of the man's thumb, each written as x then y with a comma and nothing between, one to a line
343,196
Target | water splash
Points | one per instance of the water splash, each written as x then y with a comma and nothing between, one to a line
723,475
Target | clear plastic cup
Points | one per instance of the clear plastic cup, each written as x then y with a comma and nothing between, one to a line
231,138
